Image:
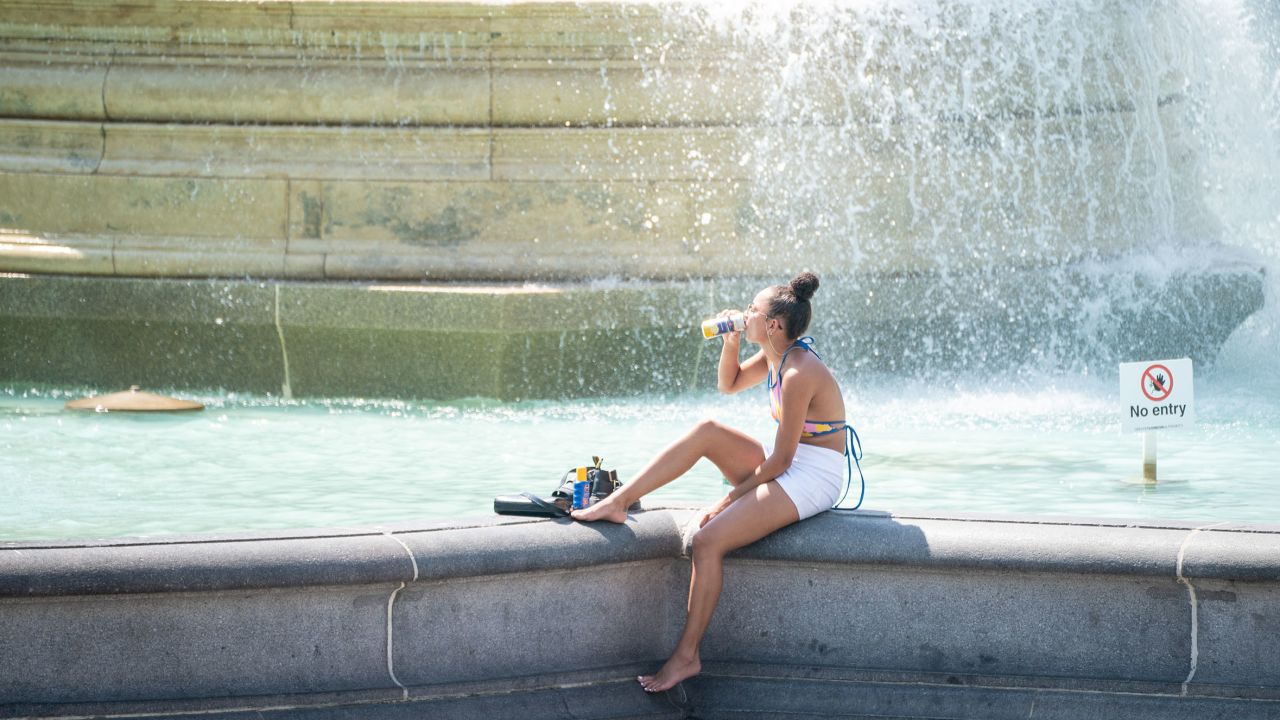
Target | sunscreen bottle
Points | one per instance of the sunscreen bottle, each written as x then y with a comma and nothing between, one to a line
733,322
581,490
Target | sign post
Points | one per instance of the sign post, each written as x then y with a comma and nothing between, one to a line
1156,395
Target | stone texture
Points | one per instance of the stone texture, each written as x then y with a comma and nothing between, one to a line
787,696
497,141
300,152
956,622
715,697
231,89
1067,706
557,545
808,625
619,154
146,567
166,257
1233,616
1236,554
181,645
51,84
25,252
456,230
592,93
45,146
1021,545
526,341
503,626
114,333
615,698
228,209
651,203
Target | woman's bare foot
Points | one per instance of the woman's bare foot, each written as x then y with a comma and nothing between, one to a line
612,509
676,669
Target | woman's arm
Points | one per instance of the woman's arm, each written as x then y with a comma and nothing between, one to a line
733,378
798,390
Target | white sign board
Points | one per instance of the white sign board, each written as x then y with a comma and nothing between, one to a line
1157,395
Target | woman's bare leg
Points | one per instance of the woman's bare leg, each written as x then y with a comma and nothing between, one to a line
734,452
750,518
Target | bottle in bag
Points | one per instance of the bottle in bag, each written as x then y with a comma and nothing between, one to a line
581,490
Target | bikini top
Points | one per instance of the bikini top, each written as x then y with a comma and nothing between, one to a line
815,428
812,428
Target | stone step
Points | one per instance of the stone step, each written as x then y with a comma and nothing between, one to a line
455,63
789,697
563,141
516,204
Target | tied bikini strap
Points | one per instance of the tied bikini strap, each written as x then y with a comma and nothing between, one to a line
852,444
804,343
852,458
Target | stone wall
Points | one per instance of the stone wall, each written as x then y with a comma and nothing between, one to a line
611,148
444,341
862,614
545,140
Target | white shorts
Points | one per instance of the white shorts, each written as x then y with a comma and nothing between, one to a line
815,479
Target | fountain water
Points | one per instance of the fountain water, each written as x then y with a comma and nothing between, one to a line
347,199
1027,184
1001,198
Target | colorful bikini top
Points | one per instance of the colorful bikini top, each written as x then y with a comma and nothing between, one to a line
812,428
815,428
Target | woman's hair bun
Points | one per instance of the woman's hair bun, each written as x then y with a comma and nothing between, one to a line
804,285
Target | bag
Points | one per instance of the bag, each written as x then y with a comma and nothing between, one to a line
602,483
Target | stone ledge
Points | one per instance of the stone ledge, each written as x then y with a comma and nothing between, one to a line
599,693
976,614
482,546
1029,544
778,692
199,564
527,340
469,48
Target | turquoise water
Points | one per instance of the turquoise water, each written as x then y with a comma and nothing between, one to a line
1047,446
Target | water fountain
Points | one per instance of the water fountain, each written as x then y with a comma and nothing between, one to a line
254,191
329,199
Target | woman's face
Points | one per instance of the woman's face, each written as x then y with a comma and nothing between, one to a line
758,321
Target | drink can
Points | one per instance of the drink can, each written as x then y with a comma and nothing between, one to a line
733,322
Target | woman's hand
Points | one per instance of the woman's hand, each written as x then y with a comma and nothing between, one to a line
714,510
734,336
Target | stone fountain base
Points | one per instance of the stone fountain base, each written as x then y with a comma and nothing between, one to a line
509,341
562,142
854,615
631,158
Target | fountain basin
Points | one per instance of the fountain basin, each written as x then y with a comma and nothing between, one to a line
958,617
518,341
973,188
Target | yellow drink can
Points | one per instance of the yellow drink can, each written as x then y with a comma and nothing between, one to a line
733,322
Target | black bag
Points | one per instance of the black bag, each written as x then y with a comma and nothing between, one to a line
603,483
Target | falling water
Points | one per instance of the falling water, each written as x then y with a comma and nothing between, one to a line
1046,186
1040,184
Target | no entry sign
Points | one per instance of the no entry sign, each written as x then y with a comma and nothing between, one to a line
1156,395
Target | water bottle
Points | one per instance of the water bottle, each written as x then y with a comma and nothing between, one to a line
733,322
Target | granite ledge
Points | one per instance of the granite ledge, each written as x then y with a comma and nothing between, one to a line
482,546
1026,544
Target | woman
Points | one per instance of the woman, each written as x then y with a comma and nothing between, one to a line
801,475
